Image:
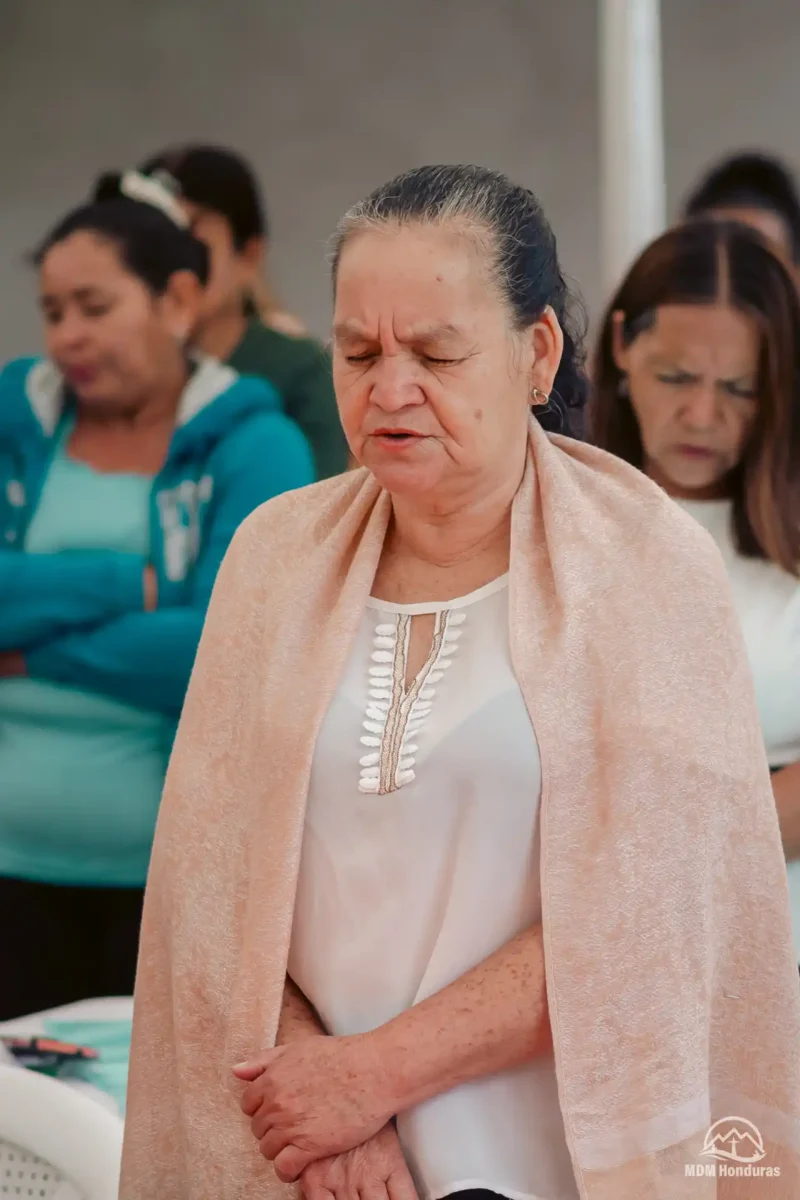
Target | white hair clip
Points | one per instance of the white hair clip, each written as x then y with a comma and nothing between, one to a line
148,190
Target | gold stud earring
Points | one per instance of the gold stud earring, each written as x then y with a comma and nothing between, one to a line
539,397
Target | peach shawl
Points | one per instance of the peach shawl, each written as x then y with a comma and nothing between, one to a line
672,989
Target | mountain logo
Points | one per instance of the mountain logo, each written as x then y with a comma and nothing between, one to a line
734,1139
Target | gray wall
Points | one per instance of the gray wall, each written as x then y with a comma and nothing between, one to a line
330,97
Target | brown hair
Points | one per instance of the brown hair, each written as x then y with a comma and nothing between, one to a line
224,182
699,263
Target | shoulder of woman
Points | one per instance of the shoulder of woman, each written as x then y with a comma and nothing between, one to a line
299,521
286,322
30,387
657,598
29,373
638,523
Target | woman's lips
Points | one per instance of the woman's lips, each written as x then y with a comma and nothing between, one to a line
701,453
397,439
78,376
397,433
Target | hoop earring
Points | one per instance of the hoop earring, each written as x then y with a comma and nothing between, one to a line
539,397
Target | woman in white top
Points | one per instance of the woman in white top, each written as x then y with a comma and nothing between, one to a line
396,899
697,382
348,898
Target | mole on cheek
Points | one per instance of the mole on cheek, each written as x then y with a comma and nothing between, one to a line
439,279
479,415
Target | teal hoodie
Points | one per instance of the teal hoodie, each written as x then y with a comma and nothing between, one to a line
78,616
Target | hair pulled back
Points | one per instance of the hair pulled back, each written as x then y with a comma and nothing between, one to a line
521,255
151,243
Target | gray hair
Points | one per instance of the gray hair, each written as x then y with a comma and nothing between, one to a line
518,242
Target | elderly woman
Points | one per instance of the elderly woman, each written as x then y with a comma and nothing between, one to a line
467,874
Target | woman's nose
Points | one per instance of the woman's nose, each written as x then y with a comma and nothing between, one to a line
700,409
395,384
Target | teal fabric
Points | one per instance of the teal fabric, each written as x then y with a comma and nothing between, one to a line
76,610
78,615
80,773
112,1041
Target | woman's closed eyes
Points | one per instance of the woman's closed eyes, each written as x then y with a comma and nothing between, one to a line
677,378
738,389
371,355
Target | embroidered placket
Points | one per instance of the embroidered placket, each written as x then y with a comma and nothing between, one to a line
396,714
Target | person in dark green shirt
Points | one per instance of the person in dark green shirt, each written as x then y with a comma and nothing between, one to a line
240,324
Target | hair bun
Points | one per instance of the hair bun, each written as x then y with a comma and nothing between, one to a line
108,187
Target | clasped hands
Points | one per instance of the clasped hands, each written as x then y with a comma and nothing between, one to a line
320,1110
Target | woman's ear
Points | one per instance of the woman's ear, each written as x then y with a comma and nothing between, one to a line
619,351
253,252
547,345
181,303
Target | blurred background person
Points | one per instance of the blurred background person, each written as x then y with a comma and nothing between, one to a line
756,189
125,468
697,383
239,322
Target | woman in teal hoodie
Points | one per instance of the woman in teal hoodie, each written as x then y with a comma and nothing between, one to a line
125,468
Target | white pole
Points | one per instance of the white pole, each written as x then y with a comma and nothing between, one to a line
633,202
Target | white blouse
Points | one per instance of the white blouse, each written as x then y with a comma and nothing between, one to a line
767,599
420,859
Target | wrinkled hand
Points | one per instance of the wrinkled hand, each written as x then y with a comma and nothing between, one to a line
314,1098
375,1169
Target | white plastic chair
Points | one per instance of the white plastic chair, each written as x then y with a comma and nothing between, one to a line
55,1143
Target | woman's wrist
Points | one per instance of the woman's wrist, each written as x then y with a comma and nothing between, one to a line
404,1075
374,1068
298,1018
491,1019
12,665
150,588
786,789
